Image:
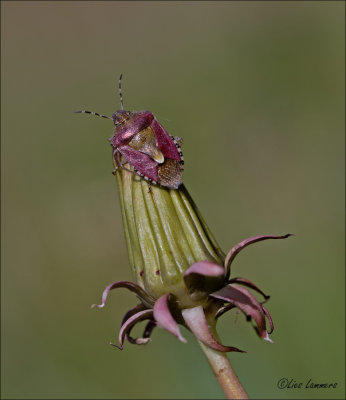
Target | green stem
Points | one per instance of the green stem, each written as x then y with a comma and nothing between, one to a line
224,373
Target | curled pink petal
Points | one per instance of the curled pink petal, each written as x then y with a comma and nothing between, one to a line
129,314
145,338
240,246
246,302
246,282
204,276
197,323
164,318
147,330
141,294
129,323
271,324
133,311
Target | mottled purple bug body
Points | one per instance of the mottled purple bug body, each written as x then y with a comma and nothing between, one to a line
145,145
140,142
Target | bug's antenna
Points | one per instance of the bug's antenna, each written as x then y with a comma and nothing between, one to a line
120,93
92,113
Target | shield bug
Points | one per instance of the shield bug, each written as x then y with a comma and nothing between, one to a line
142,146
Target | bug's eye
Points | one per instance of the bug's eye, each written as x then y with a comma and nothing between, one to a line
120,116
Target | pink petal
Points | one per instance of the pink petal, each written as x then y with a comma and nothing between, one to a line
240,246
164,318
128,285
204,276
206,268
146,334
246,302
133,311
266,312
128,315
129,323
145,338
196,321
246,282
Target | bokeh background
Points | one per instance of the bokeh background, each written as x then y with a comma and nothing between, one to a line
256,90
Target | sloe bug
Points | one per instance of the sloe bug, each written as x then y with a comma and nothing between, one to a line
141,142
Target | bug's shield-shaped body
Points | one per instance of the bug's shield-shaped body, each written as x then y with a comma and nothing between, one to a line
145,145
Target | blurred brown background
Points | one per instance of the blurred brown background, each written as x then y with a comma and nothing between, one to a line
256,90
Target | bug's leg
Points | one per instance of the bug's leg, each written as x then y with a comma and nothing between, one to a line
121,165
115,155
149,185
118,163
126,169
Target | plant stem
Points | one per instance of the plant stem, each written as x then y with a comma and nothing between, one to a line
224,373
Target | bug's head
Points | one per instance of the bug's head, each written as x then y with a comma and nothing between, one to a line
120,116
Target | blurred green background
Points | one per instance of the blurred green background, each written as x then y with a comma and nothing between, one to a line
256,90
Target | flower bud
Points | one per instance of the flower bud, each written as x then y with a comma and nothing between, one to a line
182,276
165,235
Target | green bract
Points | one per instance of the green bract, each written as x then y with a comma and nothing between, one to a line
165,234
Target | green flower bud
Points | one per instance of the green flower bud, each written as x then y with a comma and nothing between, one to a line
165,234
181,273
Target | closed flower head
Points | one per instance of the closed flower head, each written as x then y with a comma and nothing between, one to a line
182,276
